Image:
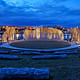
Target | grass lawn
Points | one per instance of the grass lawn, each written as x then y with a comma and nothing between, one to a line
41,44
60,69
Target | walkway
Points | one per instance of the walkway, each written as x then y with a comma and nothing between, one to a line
7,45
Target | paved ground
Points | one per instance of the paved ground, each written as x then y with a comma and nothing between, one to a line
60,69
7,45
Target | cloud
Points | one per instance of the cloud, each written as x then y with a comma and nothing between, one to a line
39,12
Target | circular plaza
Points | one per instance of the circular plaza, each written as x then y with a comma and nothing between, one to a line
40,44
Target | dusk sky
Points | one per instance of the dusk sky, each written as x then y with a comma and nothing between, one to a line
40,12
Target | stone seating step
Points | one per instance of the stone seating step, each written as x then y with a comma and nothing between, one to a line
49,56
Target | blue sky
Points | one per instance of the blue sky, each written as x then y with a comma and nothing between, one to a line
40,12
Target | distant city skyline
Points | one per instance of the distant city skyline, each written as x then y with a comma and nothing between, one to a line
40,12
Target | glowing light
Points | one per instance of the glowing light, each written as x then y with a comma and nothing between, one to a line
17,36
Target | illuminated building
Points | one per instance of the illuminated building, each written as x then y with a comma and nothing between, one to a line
13,33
